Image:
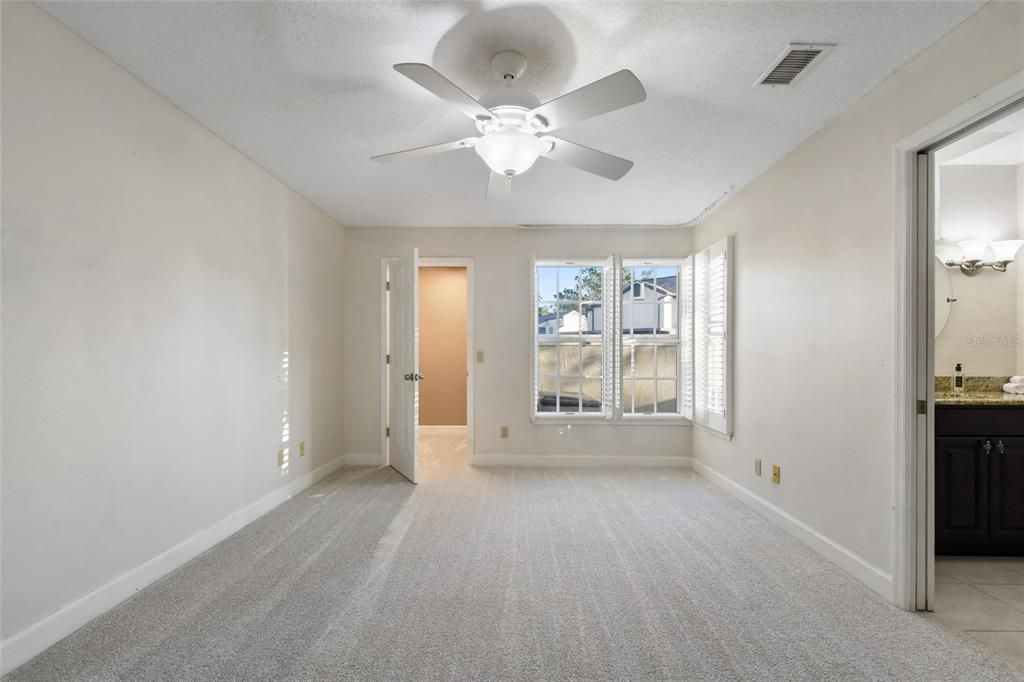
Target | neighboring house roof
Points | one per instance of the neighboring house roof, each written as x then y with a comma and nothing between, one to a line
667,285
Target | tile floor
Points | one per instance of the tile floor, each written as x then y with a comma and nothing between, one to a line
984,598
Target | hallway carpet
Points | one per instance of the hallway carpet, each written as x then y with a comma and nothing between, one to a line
511,574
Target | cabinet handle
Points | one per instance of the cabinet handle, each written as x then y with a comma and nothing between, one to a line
988,447
1000,448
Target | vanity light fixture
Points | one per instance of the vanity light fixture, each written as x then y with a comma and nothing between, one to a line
979,253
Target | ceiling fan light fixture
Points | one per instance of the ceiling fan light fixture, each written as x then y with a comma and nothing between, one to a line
510,151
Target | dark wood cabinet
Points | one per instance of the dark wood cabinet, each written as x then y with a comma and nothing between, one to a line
979,481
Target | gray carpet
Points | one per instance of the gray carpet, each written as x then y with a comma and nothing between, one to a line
495,574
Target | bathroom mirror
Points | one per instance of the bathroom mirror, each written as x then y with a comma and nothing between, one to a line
943,294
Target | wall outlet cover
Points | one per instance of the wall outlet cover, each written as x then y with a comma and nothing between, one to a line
757,467
504,432
479,356
302,448
776,473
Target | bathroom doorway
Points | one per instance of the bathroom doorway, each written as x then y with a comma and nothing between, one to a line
445,362
960,470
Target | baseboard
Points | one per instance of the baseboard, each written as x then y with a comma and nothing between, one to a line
504,460
370,459
869,574
431,430
36,638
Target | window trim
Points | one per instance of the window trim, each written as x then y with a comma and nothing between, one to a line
612,412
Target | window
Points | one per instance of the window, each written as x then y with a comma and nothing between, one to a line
650,358
635,340
570,340
711,337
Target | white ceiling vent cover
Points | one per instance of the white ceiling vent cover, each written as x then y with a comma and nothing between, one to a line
795,61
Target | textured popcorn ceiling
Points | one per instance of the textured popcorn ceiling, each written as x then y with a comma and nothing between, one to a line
307,90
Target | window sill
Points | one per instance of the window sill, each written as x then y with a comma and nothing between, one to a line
655,420
556,419
712,432
632,420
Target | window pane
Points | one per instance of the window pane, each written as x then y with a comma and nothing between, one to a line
627,360
547,319
645,317
592,395
593,318
570,356
667,402
547,283
569,395
590,282
592,360
568,283
546,365
546,395
643,395
667,361
627,396
568,318
643,360
627,314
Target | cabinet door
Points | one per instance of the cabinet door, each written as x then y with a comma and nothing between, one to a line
961,495
1006,495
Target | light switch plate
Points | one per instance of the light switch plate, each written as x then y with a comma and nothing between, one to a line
757,467
776,473
302,448
479,356
504,432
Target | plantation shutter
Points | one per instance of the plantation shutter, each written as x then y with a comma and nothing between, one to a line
611,385
686,336
711,337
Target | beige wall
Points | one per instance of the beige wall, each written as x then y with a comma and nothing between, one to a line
815,292
979,202
503,322
153,277
443,308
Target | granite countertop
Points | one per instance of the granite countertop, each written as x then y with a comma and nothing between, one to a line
991,398
977,391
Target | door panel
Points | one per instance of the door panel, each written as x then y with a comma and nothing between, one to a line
1006,494
961,495
403,370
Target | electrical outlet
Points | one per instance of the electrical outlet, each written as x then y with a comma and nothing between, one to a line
504,432
302,448
776,474
757,467
479,356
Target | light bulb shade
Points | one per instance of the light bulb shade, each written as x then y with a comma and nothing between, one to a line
1006,250
510,151
974,249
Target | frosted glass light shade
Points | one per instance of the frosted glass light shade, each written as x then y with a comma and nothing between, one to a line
510,151
975,249
1006,250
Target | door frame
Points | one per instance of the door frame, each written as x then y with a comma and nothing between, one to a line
428,262
913,573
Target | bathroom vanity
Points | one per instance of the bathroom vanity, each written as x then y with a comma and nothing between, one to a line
979,473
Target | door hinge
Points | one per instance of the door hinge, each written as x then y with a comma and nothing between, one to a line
922,407
387,432
387,286
387,359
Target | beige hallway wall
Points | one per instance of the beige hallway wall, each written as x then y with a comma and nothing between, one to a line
443,308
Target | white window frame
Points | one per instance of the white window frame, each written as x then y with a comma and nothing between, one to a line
716,421
607,408
678,339
611,341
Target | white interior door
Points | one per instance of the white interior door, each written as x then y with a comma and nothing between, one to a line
404,367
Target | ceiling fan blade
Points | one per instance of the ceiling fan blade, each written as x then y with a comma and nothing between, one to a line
417,152
585,158
426,77
621,89
498,186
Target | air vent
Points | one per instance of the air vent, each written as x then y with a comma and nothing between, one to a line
796,60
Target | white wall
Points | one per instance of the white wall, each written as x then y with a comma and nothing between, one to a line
503,331
152,278
979,202
815,299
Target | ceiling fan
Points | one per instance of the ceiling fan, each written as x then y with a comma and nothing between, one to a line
515,127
